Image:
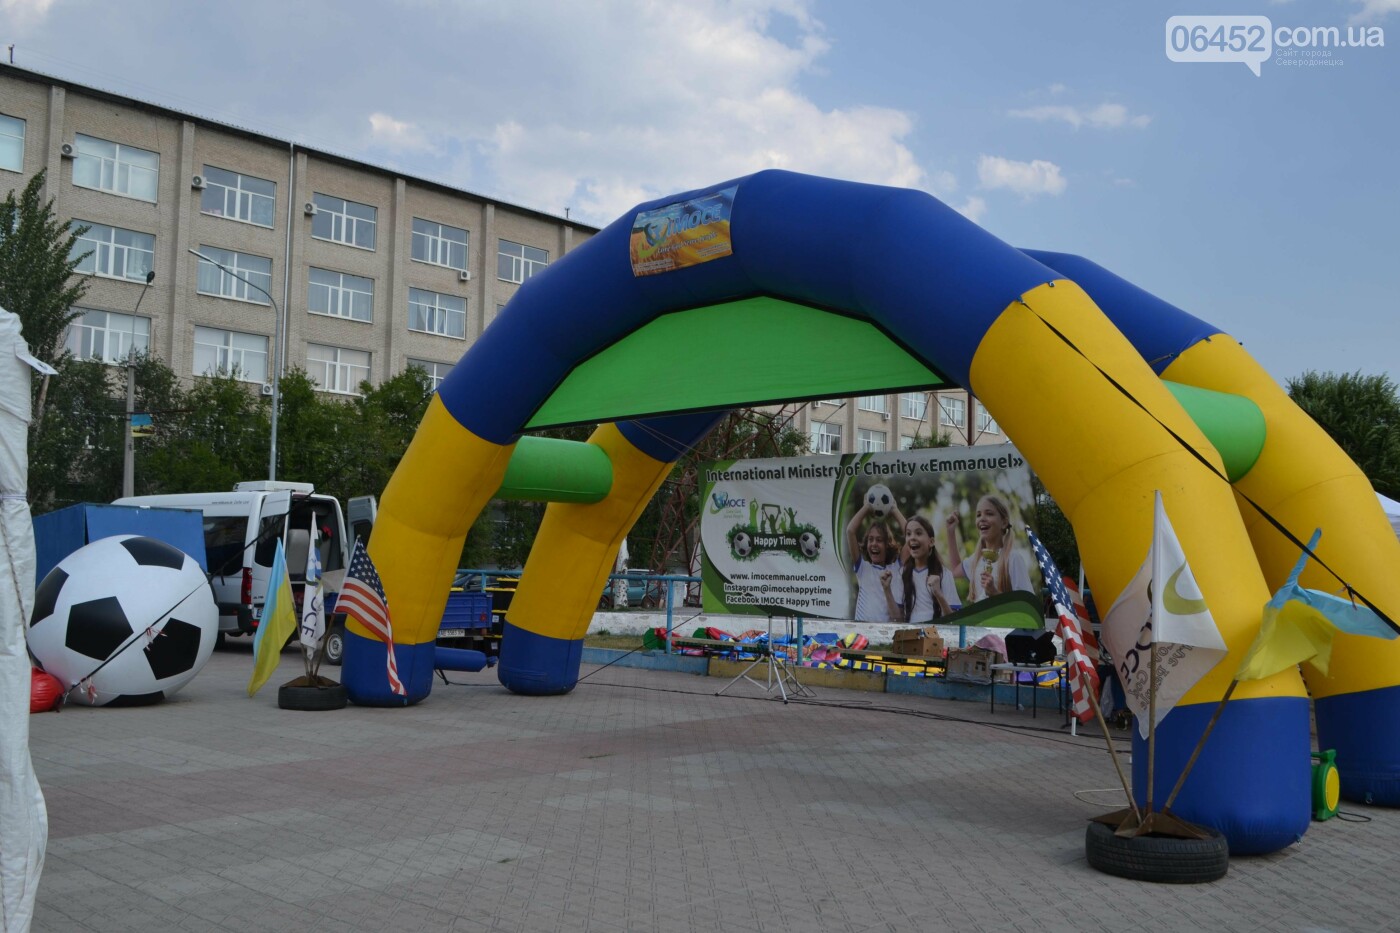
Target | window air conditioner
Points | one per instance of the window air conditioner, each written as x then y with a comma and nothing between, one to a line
884,416
464,276
267,388
309,208
67,151
197,182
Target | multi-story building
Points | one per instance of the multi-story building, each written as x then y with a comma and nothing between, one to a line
874,423
370,269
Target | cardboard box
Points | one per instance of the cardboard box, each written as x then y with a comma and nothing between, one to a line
970,665
918,643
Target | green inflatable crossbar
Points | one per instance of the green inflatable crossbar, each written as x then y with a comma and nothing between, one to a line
545,469
1232,423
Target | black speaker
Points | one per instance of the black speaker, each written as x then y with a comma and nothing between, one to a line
1028,647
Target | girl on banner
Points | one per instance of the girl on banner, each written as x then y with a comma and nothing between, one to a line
875,566
995,566
926,589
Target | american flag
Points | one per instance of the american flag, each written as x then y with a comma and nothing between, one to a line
1082,612
1083,678
362,599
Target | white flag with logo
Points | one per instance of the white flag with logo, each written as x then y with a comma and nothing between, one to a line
1162,606
313,606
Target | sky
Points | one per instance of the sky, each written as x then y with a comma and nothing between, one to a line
1265,204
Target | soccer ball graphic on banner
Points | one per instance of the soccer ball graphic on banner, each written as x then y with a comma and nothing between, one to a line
809,543
880,499
741,543
137,611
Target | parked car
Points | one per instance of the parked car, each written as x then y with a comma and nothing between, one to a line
642,590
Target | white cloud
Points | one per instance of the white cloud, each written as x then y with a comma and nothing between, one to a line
1104,116
686,95
1374,10
398,135
974,209
1025,178
21,13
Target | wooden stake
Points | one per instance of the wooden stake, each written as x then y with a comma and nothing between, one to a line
1200,744
1113,753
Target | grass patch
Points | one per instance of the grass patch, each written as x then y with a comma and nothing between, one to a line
609,640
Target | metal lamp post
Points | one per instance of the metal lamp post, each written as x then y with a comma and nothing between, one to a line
129,445
276,357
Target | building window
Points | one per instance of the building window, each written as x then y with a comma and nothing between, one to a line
340,295
913,405
439,244
870,442
516,262
238,197
228,353
880,403
215,281
826,438
906,441
985,424
952,411
114,253
11,143
107,335
109,166
433,313
436,371
336,369
343,221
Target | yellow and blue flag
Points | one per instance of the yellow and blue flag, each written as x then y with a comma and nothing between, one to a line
279,621
1299,624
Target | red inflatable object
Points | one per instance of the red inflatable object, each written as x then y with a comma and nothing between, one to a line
45,692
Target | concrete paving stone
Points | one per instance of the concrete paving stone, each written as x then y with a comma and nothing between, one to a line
619,808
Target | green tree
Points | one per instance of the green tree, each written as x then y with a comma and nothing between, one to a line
75,453
1362,414
926,441
207,438
36,269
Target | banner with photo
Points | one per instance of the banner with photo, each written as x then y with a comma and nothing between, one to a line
905,538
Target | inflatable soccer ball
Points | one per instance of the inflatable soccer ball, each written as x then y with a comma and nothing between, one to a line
880,499
741,543
139,609
809,543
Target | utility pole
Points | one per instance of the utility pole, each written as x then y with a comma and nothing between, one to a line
129,442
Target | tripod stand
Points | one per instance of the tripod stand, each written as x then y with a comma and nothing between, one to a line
779,673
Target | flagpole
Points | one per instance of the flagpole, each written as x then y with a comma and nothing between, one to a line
1152,721
1113,753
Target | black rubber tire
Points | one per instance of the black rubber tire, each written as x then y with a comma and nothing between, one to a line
605,603
335,646
219,641
1161,859
312,698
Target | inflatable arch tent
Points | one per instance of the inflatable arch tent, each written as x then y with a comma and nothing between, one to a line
780,286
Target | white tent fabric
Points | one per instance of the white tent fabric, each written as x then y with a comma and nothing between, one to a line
24,820
1392,512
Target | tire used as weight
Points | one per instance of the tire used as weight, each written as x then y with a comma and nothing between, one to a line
311,698
1161,859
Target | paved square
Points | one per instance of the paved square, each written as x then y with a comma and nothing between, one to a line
639,802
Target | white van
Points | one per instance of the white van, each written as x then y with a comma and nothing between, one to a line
241,530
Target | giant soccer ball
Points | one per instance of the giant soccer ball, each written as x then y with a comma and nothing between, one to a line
140,605
880,499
